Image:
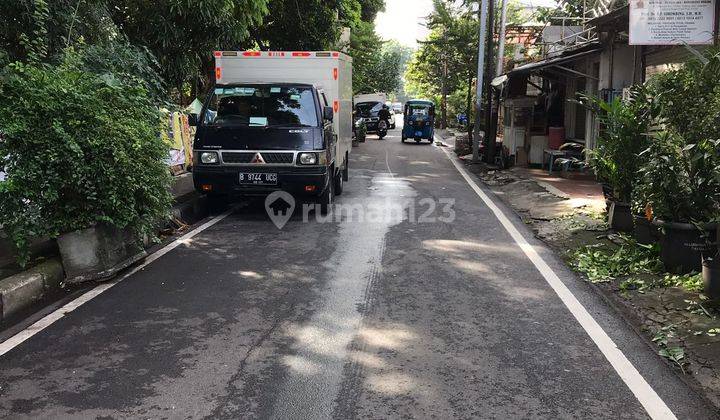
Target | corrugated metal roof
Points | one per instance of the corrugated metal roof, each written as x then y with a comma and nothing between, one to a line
555,60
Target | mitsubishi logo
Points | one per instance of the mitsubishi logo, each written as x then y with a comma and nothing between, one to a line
258,159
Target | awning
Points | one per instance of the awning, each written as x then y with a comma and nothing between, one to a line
551,62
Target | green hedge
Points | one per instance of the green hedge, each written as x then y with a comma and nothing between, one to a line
79,148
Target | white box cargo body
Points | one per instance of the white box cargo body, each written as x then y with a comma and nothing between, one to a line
328,71
372,97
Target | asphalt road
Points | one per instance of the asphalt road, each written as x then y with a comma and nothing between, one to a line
371,316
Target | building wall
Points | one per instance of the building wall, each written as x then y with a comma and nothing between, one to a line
623,62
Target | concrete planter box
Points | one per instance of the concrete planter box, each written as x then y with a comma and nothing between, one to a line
98,253
620,217
683,245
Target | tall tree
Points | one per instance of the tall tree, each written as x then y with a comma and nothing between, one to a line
299,25
447,60
565,9
404,55
40,29
452,45
183,34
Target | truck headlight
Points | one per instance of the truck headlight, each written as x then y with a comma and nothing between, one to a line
209,158
308,159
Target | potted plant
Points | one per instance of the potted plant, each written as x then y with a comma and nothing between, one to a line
680,176
84,164
615,159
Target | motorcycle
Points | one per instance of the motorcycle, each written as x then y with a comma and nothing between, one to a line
382,129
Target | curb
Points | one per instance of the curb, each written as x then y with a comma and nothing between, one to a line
191,208
23,289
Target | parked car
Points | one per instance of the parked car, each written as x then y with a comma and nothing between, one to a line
397,107
369,113
276,122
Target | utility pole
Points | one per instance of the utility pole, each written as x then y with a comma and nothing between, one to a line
483,15
501,39
443,106
489,130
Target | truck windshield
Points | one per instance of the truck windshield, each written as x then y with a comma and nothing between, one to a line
261,106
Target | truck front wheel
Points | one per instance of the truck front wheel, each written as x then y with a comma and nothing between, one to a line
328,197
339,182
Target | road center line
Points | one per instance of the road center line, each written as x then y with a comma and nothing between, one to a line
646,395
51,318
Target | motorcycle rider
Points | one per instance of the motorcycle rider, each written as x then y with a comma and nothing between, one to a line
384,115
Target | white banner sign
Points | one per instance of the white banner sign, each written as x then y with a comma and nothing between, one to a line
671,22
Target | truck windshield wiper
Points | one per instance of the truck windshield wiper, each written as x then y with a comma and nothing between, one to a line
291,125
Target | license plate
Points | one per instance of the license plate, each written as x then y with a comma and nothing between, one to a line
254,178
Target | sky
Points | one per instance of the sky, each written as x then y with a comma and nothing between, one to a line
403,19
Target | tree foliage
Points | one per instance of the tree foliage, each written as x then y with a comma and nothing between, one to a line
305,25
564,9
376,68
182,34
177,37
79,148
403,54
38,30
449,55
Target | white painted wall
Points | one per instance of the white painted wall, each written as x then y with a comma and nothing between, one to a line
622,75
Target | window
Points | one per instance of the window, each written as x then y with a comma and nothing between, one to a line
423,110
262,106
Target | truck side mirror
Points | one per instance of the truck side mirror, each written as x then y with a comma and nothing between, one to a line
193,120
328,113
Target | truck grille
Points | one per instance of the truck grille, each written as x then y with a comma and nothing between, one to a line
278,157
247,157
231,157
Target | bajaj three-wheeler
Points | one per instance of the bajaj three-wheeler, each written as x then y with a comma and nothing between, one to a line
419,119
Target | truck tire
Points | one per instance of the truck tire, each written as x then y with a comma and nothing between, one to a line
327,198
339,183
346,170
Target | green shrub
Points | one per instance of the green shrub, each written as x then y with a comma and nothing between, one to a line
624,135
680,180
79,149
680,176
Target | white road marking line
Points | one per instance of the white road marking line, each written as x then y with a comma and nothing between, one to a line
387,163
646,395
51,318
